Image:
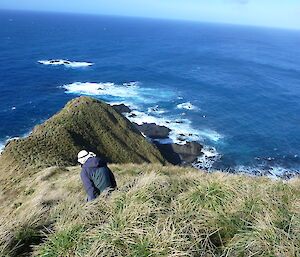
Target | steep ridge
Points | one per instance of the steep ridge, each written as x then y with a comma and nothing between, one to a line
84,123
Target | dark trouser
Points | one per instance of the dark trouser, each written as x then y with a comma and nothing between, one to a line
106,193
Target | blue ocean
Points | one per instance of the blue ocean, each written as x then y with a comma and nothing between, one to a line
234,89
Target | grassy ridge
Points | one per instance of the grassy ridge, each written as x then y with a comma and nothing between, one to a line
84,123
157,211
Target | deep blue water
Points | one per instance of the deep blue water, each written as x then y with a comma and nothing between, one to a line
244,82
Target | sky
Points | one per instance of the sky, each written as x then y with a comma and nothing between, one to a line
270,13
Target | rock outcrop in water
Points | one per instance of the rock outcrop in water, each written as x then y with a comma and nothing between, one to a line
153,130
183,155
122,108
84,123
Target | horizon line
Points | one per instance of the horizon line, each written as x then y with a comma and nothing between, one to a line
154,18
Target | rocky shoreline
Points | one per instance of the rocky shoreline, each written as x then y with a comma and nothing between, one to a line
185,154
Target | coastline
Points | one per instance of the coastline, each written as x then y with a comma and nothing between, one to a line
181,151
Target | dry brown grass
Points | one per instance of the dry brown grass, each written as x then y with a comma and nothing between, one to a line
157,211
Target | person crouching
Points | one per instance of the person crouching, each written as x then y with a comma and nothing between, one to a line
96,177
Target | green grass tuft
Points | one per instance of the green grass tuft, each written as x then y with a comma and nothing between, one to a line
65,243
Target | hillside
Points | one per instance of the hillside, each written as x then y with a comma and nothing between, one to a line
84,123
157,211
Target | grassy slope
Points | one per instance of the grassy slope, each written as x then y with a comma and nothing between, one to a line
84,123
157,211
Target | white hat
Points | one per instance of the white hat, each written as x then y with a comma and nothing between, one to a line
83,155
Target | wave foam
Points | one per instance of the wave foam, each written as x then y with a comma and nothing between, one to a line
66,63
155,109
211,135
2,145
187,106
178,128
133,95
131,84
181,130
206,161
131,92
91,88
4,142
274,172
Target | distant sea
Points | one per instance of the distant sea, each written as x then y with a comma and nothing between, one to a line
235,89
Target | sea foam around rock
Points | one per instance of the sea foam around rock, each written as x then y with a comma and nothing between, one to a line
182,130
66,63
139,99
136,97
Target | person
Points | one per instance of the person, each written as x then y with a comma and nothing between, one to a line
96,177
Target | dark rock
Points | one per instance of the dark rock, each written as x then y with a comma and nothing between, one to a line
121,108
153,130
181,137
180,154
132,115
168,153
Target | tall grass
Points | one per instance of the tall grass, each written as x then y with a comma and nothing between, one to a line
84,123
164,211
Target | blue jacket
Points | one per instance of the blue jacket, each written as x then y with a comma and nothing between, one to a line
96,177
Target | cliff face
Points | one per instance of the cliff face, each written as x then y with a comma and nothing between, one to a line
84,123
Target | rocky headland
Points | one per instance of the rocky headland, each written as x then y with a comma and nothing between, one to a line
84,123
88,123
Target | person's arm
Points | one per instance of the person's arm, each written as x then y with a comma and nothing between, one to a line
88,185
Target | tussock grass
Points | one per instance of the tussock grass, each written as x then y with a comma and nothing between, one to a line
84,123
157,211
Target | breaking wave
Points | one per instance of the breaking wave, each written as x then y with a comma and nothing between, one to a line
181,129
2,145
133,95
155,109
130,92
269,171
90,88
187,106
142,102
208,158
